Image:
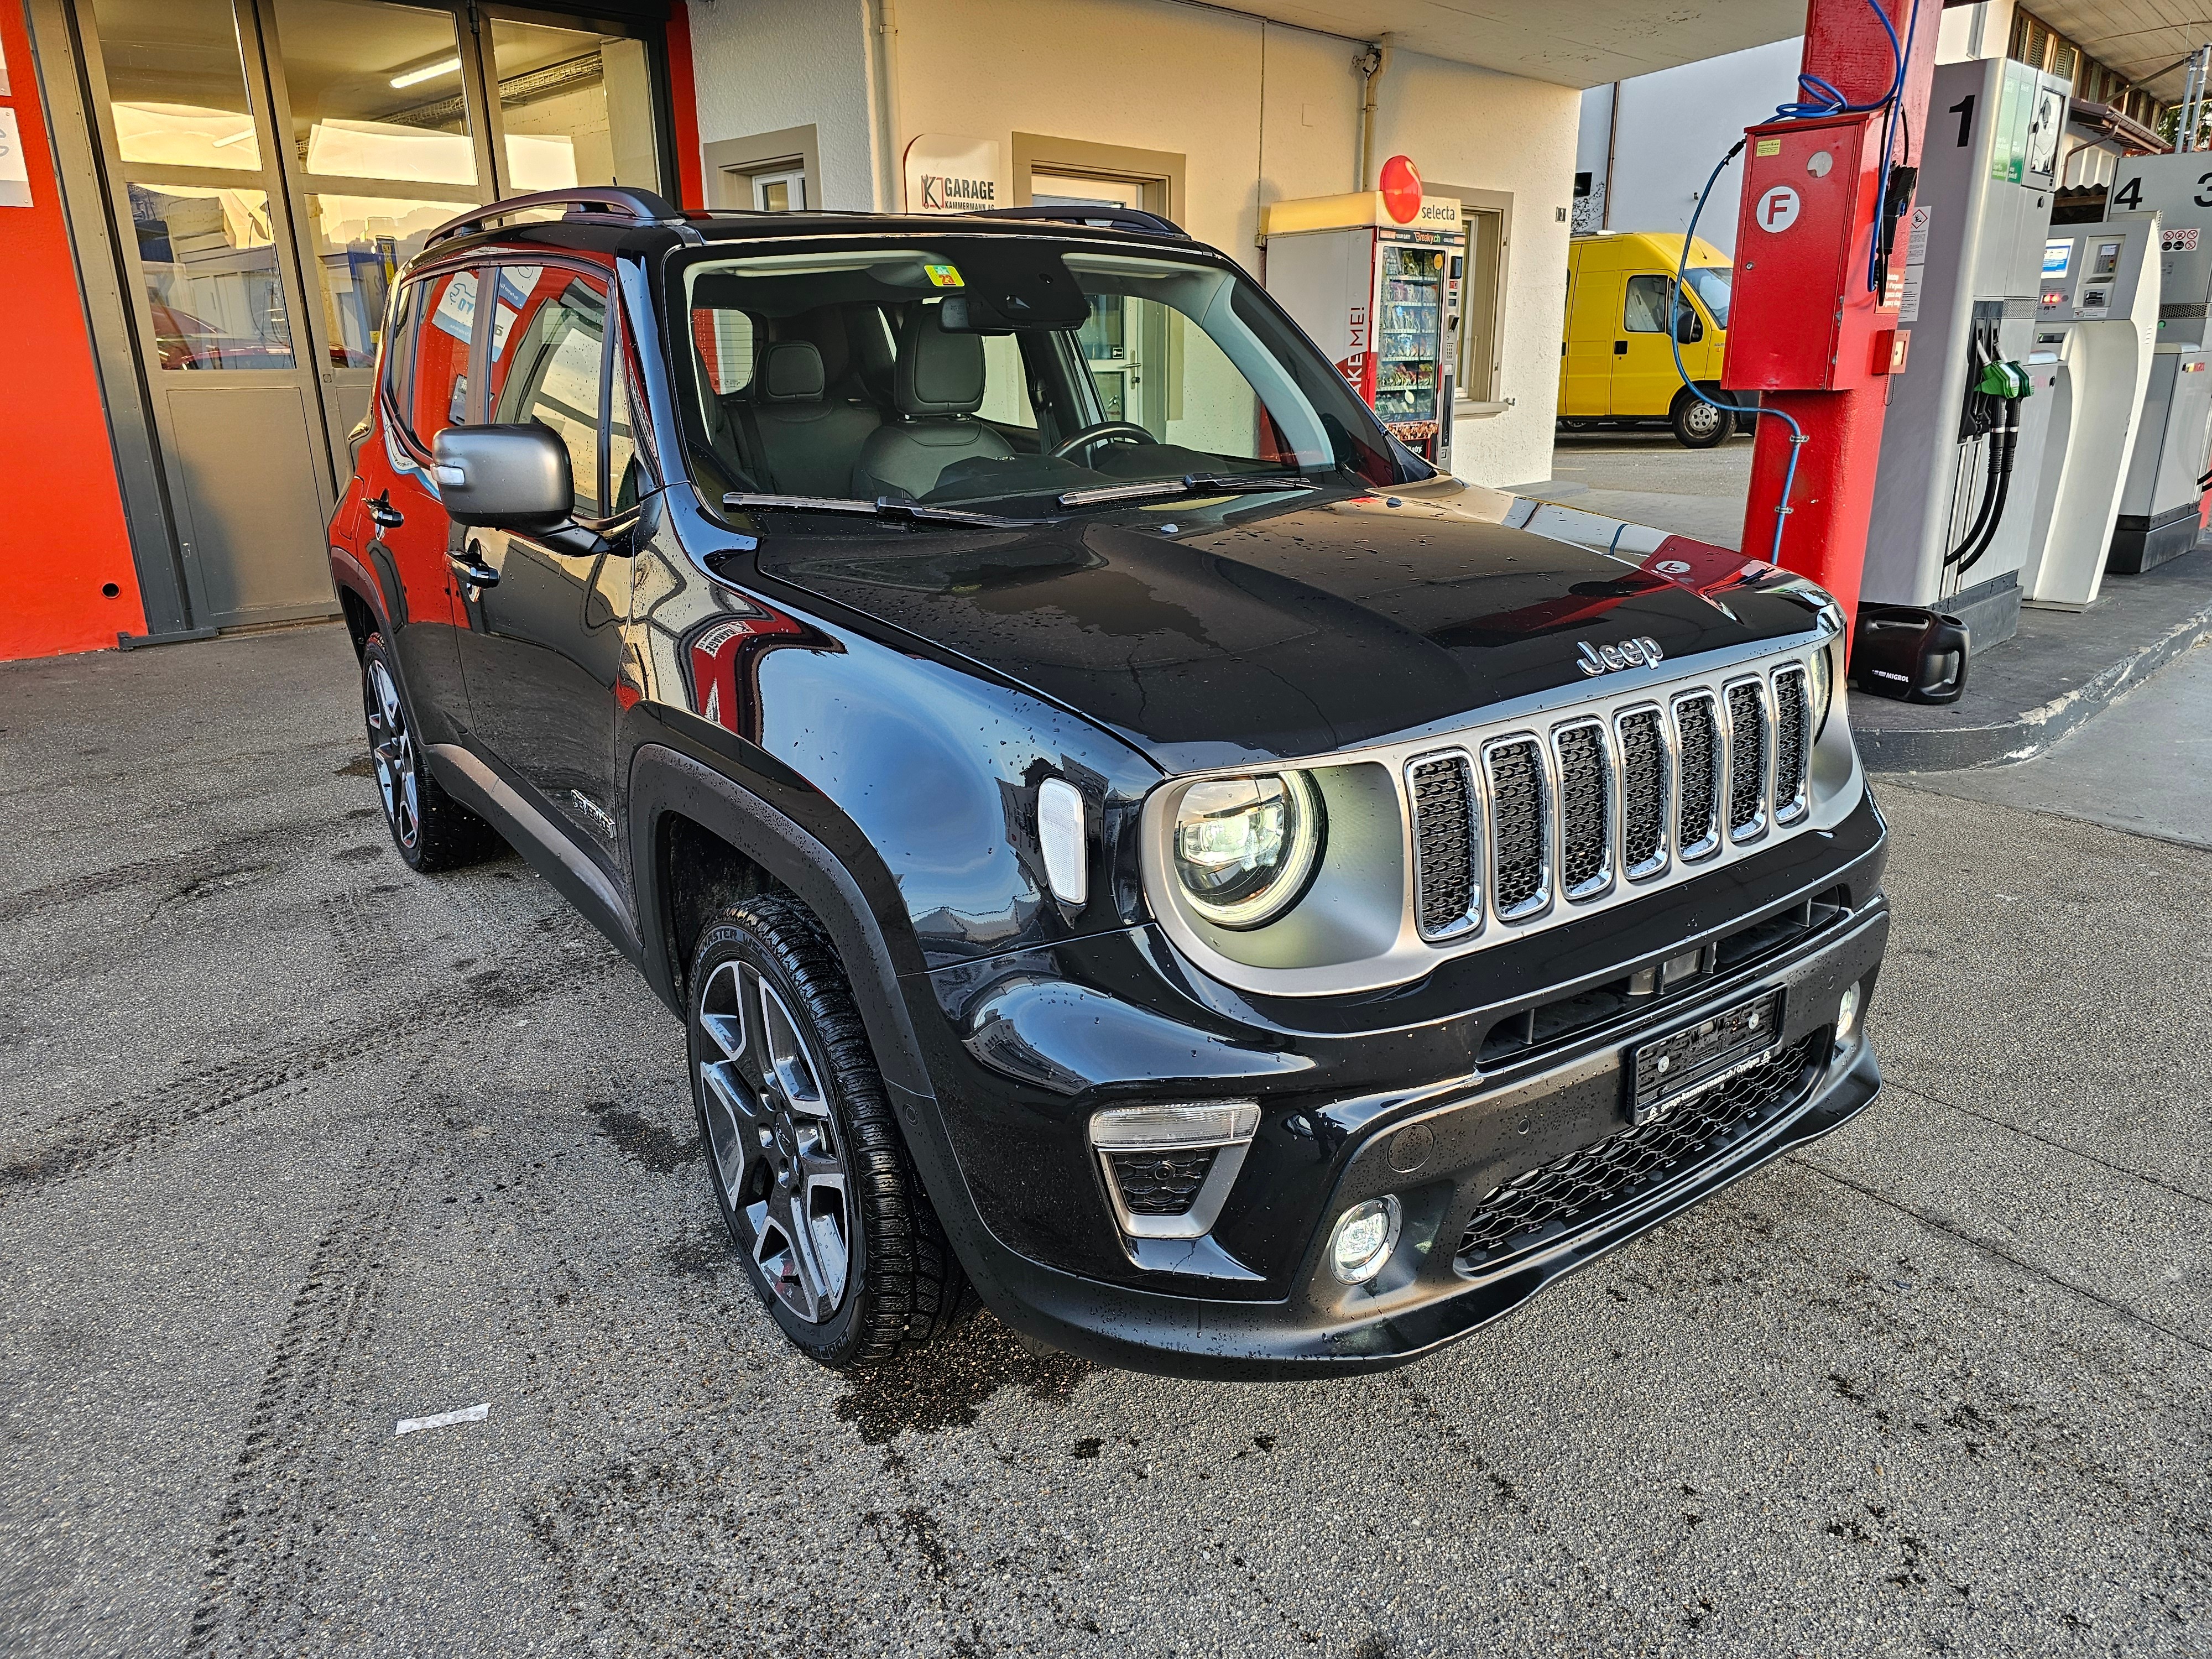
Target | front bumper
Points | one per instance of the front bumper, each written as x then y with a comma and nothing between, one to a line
1481,1133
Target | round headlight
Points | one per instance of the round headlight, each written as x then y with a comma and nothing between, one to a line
1244,848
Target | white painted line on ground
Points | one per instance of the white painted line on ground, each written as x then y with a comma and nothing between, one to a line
444,1419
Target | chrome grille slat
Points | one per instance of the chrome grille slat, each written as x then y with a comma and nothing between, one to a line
1749,750
1793,745
1586,804
1447,845
1646,786
1520,827
1697,725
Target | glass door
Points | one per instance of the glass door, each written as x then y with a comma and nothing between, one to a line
1114,340
205,235
385,145
1409,341
574,105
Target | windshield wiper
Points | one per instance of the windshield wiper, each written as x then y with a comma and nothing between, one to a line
1212,483
882,508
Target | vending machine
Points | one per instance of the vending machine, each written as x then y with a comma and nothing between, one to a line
1375,278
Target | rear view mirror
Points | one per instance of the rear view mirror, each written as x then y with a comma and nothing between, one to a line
510,477
1689,327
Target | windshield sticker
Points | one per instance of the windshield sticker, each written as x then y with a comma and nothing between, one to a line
943,275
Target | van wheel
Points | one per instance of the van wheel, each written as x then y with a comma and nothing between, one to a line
823,1203
432,830
1697,423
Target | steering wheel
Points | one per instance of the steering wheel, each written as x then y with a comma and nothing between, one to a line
1128,431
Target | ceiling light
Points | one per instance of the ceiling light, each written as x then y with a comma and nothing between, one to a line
428,72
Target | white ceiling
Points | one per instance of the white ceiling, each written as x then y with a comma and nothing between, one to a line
2135,37
1573,43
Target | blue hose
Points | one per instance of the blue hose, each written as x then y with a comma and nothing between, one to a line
1675,344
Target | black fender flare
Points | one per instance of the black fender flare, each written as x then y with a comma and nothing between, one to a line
350,573
664,781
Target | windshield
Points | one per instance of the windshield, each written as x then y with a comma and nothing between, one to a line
983,369
1711,284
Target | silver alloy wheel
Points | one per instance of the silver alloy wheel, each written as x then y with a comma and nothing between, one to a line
1702,419
775,1141
392,749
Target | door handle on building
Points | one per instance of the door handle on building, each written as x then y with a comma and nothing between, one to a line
473,568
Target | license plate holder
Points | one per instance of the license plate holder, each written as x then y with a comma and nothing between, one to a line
1662,1071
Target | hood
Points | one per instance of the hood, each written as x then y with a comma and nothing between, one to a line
1212,632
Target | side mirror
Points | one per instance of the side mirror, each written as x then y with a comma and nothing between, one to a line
511,477
1689,327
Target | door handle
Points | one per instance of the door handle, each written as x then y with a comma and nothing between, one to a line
1620,348
382,513
473,568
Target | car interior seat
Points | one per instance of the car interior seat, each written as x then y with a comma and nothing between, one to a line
937,387
809,441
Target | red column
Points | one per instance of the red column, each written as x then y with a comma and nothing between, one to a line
66,580
690,190
1833,495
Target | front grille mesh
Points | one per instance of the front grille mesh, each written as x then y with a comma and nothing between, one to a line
1443,844
1651,788
1643,790
1701,770
1576,1192
1746,758
1793,741
1161,1183
1517,839
1585,809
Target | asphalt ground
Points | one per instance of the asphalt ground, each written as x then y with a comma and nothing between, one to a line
294,1145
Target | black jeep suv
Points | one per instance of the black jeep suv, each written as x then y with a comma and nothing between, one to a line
1128,839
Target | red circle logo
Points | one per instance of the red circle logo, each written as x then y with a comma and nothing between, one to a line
1402,189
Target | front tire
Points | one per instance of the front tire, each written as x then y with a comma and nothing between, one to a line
1697,423
432,830
821,1201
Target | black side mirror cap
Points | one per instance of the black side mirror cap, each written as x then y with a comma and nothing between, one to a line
510,477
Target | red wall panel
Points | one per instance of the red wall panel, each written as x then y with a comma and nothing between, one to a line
63,546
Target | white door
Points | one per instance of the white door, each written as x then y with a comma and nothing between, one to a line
1113,340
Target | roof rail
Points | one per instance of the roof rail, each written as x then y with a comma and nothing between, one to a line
637,207
1092,213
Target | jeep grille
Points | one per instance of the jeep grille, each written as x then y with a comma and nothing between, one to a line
1551,820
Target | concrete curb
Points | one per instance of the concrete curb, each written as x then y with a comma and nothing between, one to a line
2029,734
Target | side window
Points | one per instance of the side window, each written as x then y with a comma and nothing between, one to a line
431,366
723,340
1650,298
549,364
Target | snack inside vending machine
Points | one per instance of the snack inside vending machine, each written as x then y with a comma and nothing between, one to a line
1375,278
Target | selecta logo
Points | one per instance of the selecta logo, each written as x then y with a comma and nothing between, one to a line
1401,184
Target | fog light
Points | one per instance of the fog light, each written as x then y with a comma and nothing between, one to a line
1364,1236
1847,1015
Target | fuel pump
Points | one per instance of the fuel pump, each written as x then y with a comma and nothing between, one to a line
2099,322
2160,502
1963,442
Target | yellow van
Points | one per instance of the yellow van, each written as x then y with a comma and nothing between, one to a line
1614,363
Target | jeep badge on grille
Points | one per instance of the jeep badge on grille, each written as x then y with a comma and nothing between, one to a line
1628,653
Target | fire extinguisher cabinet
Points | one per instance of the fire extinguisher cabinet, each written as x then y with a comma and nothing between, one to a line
1374,279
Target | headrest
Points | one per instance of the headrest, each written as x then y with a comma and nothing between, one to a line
938,373
791,372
